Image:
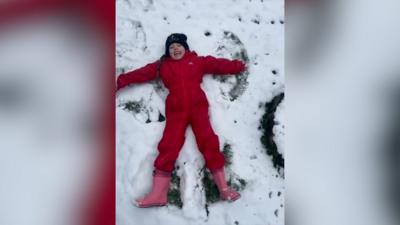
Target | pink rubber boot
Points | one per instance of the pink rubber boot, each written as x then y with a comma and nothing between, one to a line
225,192
159,191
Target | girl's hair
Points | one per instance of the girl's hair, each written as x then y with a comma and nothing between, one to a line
162,58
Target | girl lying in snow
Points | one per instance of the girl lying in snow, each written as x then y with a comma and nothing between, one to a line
181,71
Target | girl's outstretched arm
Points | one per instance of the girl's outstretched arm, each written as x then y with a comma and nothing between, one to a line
141,75
221,66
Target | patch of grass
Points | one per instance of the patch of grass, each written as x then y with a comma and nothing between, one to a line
267,124
133,106
210,188
227,151
174,193
242,182
238,184
161,117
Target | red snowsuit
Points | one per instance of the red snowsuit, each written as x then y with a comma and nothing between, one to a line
186,104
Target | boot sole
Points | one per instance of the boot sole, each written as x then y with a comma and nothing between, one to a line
232,199
137,204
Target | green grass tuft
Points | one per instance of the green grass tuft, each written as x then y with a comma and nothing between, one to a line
267,124
174,193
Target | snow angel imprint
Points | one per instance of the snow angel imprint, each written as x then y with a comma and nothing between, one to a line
182,71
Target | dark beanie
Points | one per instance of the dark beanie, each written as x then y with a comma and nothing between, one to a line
176,38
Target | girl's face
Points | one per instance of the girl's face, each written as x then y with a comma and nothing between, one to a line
176,51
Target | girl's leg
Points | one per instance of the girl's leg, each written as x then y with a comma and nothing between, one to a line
208,144
207,140
171,142
169,147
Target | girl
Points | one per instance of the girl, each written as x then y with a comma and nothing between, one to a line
181,71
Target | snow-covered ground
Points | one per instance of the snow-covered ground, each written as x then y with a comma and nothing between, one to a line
142,27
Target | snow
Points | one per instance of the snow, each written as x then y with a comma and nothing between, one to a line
49,106
142,27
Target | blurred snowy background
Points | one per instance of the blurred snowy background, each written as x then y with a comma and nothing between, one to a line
246,111
52,144
342,114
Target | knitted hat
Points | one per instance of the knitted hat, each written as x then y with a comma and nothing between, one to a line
176,38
